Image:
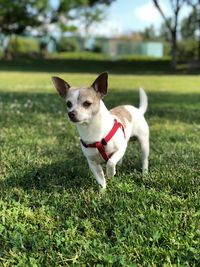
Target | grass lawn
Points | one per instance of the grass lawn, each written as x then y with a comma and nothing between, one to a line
51,213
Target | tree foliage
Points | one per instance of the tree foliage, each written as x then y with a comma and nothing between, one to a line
16,15
172,24
194,21
189,25
149,34
65,6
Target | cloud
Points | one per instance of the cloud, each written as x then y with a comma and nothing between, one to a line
149,13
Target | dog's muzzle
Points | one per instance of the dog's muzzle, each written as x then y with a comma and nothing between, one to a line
72,115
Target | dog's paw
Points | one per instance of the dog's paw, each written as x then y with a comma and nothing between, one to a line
102,191
110,169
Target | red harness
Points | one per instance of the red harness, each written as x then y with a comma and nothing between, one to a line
101,145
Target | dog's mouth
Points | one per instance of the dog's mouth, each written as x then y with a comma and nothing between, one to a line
74,120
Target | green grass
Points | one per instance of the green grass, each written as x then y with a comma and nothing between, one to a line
51,213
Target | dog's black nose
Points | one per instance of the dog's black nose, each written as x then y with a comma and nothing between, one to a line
72,115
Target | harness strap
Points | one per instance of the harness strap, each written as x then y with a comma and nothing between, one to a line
101,145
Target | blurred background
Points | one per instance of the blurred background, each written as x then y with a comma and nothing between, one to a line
167,31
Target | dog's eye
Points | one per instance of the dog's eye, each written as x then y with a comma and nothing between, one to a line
69,104
86,104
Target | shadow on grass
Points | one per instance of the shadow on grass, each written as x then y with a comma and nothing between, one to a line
162,105
57,176
141,67
70,174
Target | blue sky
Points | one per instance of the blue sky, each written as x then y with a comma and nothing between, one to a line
125,16
134,15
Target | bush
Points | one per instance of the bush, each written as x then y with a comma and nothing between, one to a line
97,48
83,55
22,45
66,44
187,50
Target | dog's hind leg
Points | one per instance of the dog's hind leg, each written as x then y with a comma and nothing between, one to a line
144,143
120,162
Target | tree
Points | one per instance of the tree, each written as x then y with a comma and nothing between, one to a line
164,33
194,20
91,16
189,26
88,11
172,25
16,15
149,33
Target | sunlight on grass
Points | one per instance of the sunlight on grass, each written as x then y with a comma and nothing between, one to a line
41,82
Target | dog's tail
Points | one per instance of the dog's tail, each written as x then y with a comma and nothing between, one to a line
143,101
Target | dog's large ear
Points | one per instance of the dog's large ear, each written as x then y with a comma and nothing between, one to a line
61,86
100,85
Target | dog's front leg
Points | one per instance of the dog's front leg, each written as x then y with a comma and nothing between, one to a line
112,162
98,173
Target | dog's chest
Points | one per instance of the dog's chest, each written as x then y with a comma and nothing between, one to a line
93,154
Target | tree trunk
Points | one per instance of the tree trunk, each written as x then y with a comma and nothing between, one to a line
199,46
173,49
7,53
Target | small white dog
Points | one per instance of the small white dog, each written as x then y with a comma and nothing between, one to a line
104,134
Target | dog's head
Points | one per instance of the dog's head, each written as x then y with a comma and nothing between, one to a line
82,102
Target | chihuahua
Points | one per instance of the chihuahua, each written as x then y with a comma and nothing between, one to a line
104,133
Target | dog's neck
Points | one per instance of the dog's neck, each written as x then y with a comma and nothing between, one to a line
98,127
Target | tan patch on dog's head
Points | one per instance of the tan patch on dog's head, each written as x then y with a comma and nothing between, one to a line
122,114
88,95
